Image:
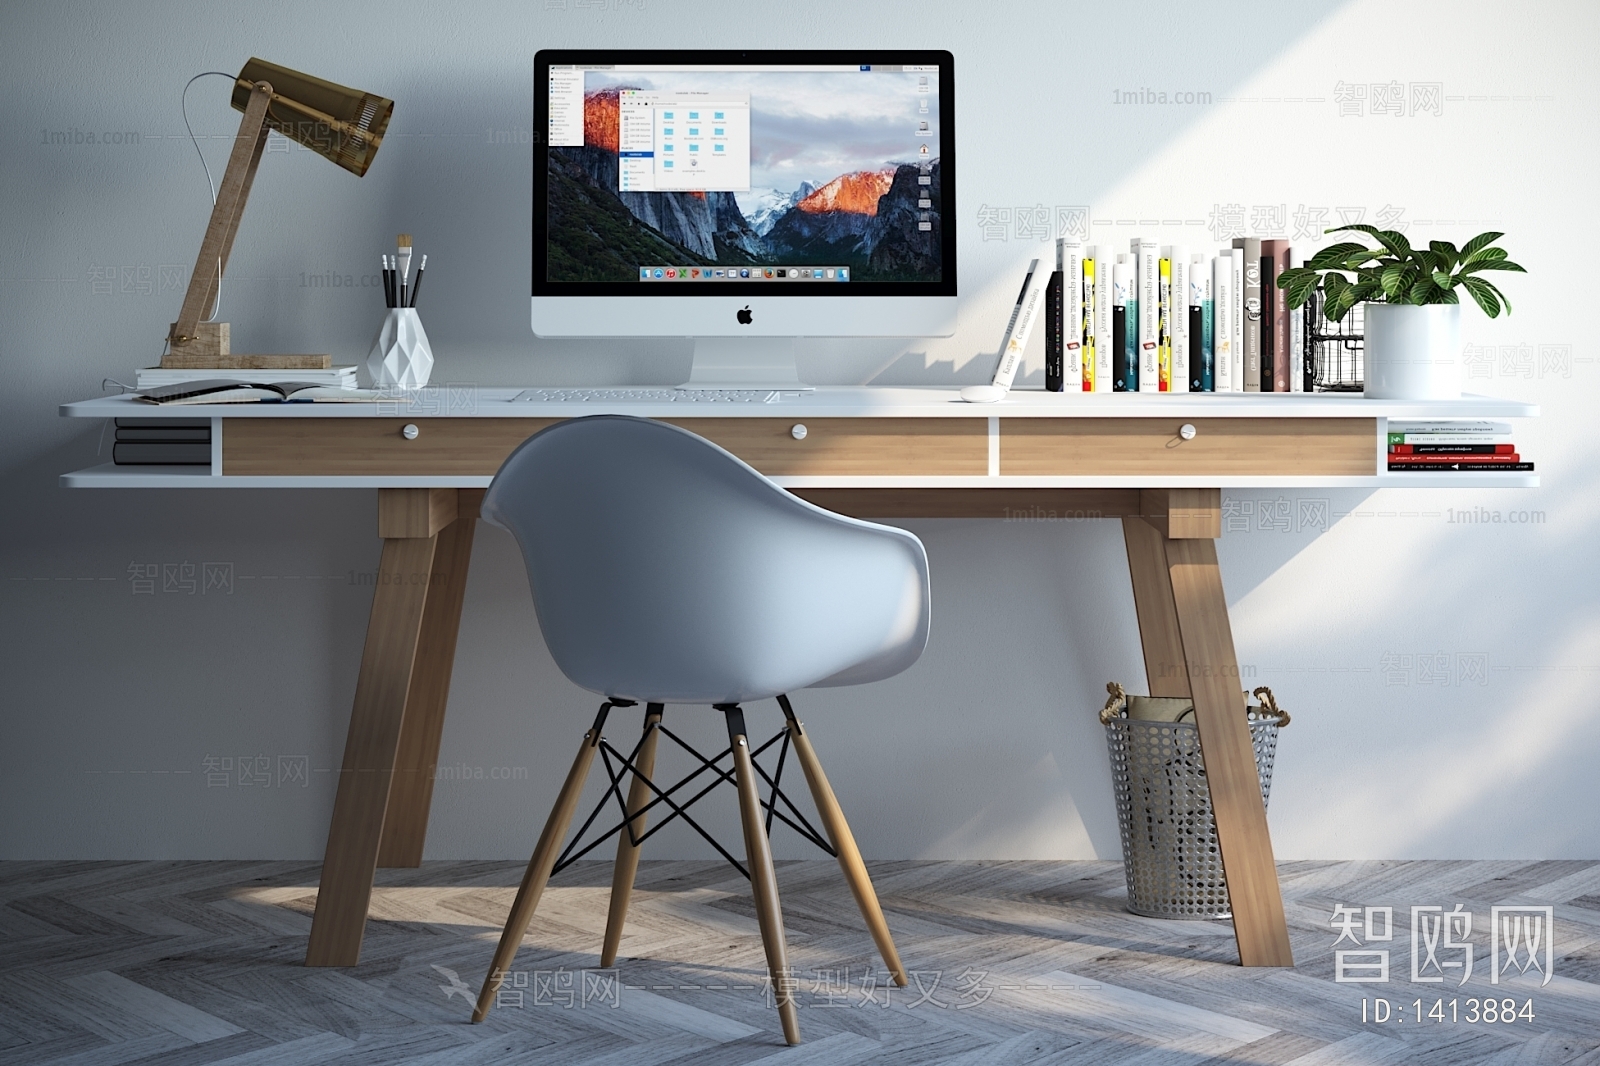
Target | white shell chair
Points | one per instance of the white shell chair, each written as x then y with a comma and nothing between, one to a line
666,570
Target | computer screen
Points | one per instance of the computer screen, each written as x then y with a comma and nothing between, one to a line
749,174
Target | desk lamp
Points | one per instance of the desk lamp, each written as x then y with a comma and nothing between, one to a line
340,124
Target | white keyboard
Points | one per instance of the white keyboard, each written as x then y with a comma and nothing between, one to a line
647,396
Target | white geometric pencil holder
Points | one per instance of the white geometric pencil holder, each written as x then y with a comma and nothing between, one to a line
400,356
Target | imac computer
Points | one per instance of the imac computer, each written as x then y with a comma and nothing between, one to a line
743,199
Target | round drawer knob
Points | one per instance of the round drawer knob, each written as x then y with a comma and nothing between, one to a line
410,431
1187,431
798,431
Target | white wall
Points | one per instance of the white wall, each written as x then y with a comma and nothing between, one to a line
114,702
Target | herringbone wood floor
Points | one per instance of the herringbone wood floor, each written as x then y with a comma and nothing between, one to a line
1021,962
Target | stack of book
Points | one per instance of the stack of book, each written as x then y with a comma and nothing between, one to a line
155,377
162,442
1433,447
1158,318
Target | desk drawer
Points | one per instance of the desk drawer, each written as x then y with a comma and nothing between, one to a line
477,446
846,446
1139,446
367,446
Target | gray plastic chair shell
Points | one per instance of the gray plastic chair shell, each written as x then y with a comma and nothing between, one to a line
666,569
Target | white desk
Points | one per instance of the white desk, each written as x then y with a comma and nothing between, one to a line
884,453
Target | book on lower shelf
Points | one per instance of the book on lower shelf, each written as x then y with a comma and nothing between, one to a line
162,442
1452,445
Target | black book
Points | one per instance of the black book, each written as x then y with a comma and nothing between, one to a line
1308,354
1197,348
1123,369
165,434
1448,449
1395,468
1269,306
162,423
160,453
1055,370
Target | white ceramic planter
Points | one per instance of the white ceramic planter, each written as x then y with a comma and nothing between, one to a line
401,357
1412,353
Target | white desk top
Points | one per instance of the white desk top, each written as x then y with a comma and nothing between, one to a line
446,402
858,402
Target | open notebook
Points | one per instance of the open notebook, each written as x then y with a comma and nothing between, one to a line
231,390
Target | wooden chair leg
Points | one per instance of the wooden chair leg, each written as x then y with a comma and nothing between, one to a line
627,864
844,844
539,866
763,878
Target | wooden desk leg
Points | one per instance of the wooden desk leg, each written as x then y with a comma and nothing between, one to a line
405,827
410,521
1178,586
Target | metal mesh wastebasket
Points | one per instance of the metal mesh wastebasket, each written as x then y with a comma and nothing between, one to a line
1169,832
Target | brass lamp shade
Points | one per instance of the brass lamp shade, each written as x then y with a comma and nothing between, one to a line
341,124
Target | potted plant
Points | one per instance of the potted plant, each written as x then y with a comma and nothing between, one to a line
1412,324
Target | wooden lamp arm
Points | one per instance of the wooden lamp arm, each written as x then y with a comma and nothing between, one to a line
231,196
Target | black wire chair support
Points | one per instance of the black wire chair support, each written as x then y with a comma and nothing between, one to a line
619,766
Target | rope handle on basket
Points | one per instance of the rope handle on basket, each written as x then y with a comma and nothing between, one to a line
1269,705
1115,705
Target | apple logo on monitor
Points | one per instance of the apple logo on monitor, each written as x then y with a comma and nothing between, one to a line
744,316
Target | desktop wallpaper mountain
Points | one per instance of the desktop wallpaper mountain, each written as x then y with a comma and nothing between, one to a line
863,218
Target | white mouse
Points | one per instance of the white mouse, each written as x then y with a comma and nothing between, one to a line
984,393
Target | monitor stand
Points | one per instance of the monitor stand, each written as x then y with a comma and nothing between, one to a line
745,363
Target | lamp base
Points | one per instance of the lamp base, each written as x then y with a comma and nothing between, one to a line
209,341
208,350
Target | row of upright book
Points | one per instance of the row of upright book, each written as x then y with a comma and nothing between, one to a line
1158,318
1435,446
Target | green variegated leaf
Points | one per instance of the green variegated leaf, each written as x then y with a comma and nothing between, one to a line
1422,291
1394,279
1496,264
1481,241
1443,280
1498,294
1484,294
1333,256
1393,240
1444,254
1300,291
1484,255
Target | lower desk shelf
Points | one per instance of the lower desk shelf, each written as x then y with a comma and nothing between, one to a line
110,476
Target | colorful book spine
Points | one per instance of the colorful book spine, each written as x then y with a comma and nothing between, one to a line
1478,460
1251,247
1452,449
1164,324
1447,438
1236,315
1124,327
1427,467
1222,318
1149,294
1202,357
1087,324
1072,318
1299,357
1052,325
1103,357
1275,315
1178,318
